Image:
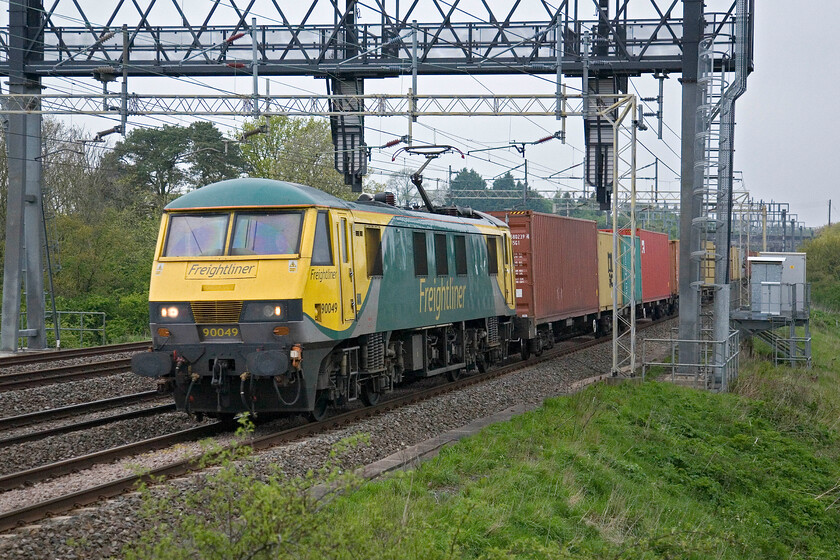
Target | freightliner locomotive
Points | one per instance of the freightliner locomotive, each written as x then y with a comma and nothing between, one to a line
271,297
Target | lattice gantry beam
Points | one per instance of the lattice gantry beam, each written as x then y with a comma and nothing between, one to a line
171,38
301,105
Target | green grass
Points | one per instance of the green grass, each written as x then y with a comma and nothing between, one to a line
631,471
801,397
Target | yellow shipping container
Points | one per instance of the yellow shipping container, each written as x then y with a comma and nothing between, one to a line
708,264
608,272
736,263
674,246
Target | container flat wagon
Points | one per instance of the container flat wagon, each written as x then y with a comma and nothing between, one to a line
555,265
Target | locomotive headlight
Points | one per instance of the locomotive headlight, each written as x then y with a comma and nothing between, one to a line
169,312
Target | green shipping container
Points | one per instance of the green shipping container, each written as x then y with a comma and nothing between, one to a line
625,265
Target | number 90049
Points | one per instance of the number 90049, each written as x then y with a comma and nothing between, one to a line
225,332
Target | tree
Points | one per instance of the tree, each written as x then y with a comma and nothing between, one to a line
463,188
504,183
65,171
824,266
212,158
404,190
469,189
535,201
149,158
295,150
162,162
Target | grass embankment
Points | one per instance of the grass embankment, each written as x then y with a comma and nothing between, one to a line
633,471
646,470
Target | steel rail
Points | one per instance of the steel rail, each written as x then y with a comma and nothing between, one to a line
37,474
35,512
74,409
53,355
25,380
87,424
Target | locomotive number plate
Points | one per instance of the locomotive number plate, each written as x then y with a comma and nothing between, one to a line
217,333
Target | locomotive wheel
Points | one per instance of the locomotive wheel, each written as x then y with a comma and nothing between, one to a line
481,362
228,420
319,411
369,396
454,374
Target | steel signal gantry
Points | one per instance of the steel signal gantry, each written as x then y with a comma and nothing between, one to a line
107,40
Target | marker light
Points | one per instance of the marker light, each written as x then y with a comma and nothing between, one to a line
272,311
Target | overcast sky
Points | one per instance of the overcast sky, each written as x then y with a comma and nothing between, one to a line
786,121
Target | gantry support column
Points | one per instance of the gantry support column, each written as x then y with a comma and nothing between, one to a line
690,202
24,239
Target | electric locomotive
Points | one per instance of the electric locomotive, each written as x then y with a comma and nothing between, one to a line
272,297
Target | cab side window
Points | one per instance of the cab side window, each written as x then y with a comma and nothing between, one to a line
322,248
492,254
373,250
460,255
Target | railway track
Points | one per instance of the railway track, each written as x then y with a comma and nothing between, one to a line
54,355
26,380
37,511
28,419
87,424
59,468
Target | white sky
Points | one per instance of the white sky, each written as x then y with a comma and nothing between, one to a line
785,123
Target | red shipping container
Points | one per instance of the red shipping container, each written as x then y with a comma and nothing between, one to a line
556,264
656,264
